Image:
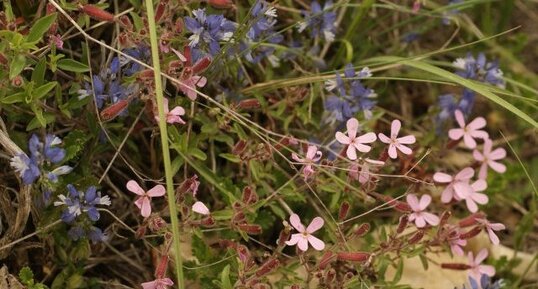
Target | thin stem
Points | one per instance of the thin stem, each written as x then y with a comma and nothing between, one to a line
164,142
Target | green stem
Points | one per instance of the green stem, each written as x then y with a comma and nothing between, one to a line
164,142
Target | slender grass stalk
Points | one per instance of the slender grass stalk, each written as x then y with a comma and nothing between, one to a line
164,142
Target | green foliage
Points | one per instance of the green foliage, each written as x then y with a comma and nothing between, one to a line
27,279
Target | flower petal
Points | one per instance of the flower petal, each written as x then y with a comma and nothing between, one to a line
366,138
487,270
342,138
157,191
497,154
315,225
469,141
459,118
383,138
477,123
392,151
316,243
496,166
465,174
395,128
431,218
425,200
294,239
200,208
145,209
351,153
455,133
442,177
481,256
352,125
295,221
405,149
412,200
408,139
302,243
134,187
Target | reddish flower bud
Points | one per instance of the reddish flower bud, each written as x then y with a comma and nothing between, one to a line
251,103
402,224
326,259
249,196
50,9
344,209
470,234
156,224
17,81
220,4
243,253
237,206
159,11
283,237
362,230
114,110
239,147
444,218
250,229
126,22
455,266
146,74
353,256
201,65
140,232
267,267
179,26
97,13
471,220
416,237
160,271
208,221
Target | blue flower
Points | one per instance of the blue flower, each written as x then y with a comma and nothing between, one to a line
209,30
480,69
26,168
96,235
350,95
30,167
451,12
321,22
77,202
485,283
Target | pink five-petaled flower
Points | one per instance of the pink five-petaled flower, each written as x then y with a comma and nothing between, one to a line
354,142
476,269
456,245
491,228
474,197
172,116
396,142
489,158
470,131
419,216
458,186
200,208
161,283
143,202
304,236
312,156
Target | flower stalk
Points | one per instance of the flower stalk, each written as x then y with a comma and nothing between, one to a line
164,143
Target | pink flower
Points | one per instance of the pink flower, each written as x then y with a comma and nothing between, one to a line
395,142
458,186
419,216
189,76
305,235
354,142
364,175
200,208
143,202
474,197
172,116
470,131
489,158
476,269
312,156
160,283
190,83
491,228
456,245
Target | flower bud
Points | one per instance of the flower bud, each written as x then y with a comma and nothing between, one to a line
160,271
126,22
239,147
444,218
249,196
455,266
156,224
330,276
114,110
97,13
201,65
17,81
159,11
416,237
326,259
283,237
402,224
469,234
250,103
267,267
250,229
243,253
471,220
220,4
344,209
140,232
362,230
353,256
208,221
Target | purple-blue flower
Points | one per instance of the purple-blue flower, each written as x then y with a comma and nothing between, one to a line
350,96
320,22
208,30
485,283
26,168
452,12
78,202
480,69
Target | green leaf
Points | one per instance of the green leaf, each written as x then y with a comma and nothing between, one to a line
75,281
38,76
14,98
225,278
35,122
74,143
39,114
231,157
480,88
399,271
26,275
40,27
72,65
41,91
17,65
197,153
